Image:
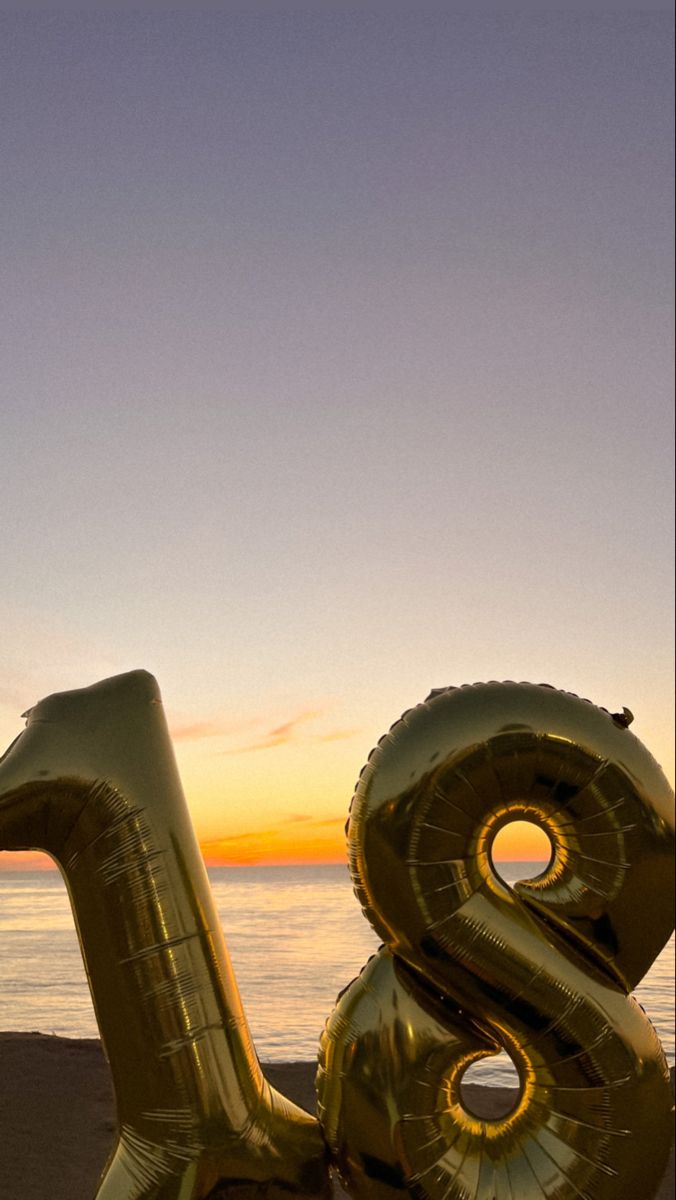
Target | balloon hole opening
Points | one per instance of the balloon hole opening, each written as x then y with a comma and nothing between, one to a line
490,1088
521,850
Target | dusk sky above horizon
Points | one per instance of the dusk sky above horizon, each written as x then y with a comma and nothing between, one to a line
338,366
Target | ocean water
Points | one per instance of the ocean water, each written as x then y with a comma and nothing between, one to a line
296,935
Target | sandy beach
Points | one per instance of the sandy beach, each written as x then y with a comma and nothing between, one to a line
57,1118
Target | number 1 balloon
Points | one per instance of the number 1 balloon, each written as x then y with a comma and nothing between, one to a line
92,780
469,965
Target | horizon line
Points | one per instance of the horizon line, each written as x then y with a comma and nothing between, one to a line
49,865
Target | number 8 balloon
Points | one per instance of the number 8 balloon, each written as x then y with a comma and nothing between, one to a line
470,966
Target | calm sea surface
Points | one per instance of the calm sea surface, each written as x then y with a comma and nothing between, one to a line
296,936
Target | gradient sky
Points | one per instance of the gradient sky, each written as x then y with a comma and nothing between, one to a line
337,366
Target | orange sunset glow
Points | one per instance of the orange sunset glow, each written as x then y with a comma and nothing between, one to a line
306,841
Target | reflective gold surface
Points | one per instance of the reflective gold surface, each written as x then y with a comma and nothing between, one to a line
93,782
471,966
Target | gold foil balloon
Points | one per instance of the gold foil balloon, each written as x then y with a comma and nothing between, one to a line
93,782
471,966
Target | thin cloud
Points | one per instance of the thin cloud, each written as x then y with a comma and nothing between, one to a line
200,729
209,729
294,731
288,732
289,727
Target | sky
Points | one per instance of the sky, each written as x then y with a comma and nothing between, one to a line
337,366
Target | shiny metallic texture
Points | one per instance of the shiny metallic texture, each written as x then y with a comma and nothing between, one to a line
471,966
93,782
